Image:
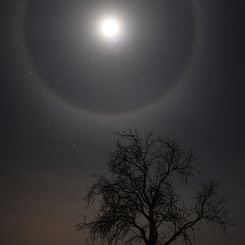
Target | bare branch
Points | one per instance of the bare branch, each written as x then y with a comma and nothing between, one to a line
138,200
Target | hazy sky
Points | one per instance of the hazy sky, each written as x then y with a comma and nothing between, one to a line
176,69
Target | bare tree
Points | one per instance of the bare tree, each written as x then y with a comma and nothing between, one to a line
139,200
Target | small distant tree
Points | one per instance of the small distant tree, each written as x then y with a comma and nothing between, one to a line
138,200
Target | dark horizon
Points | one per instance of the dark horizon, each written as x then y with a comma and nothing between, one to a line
177,70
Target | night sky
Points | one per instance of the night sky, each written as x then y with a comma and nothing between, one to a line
175,69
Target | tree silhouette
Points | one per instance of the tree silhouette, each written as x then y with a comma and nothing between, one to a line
139,200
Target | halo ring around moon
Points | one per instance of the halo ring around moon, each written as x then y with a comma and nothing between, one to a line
179,78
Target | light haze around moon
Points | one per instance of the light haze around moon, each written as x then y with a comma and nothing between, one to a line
139,56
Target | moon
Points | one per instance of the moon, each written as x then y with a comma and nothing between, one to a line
110,28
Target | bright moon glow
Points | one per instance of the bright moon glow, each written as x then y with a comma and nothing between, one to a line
110,28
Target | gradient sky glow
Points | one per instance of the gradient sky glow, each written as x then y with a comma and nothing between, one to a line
175,68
